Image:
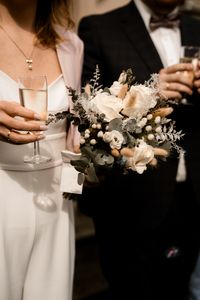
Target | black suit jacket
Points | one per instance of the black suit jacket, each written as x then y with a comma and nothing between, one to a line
116,41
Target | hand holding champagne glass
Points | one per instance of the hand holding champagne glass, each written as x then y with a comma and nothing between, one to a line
33,95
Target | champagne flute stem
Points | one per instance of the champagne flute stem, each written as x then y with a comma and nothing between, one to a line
35,149
38,147
37,152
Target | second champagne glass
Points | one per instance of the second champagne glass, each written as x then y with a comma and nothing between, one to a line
34,95
189,54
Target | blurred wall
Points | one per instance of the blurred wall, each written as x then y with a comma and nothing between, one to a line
87,7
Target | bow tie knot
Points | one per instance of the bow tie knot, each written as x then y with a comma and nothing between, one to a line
167,21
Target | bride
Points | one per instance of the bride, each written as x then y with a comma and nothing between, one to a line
36,226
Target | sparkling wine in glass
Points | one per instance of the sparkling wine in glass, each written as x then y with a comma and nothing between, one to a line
33,95
189,54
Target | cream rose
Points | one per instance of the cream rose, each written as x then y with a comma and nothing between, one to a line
138,101
143,154
114,138
106,104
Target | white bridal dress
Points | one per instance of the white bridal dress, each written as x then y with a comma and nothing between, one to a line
36,226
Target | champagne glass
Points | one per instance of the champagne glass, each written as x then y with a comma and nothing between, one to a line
33,95
189,54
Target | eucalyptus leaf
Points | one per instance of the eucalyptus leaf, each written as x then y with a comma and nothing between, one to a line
166,146
87,151
54,118
81,164
138,130
129,139
131,125
103,159
115,124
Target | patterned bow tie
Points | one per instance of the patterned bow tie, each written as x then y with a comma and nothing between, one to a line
168,21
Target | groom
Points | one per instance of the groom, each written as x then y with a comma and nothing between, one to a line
147,226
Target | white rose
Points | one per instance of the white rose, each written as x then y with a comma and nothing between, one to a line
108,105
114,138
107,137
143,154
115,88
138,101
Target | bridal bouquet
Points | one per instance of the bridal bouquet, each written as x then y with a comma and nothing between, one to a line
125,126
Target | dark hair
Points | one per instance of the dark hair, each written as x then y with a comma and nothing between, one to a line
50,13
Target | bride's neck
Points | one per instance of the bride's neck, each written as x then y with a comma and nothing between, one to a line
19,13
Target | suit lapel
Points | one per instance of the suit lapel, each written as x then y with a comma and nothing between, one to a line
136,32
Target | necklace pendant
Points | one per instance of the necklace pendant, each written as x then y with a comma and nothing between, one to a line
28,60
30,64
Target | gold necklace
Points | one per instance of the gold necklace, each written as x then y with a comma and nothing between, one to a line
29,59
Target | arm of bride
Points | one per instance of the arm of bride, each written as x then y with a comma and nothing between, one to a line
11,127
